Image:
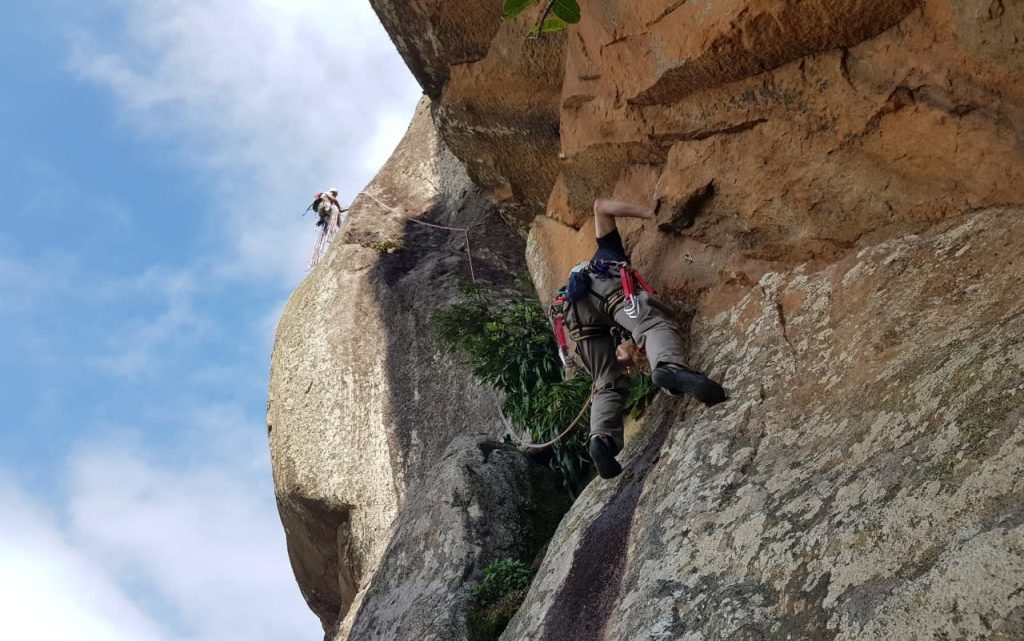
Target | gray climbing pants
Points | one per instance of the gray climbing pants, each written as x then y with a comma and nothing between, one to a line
326,210
652,329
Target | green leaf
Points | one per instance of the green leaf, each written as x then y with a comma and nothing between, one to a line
553,24
568,10
513,8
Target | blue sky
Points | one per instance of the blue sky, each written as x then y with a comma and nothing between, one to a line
155,157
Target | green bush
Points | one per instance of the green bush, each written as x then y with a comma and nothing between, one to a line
641,392
500,578
510,347
497,598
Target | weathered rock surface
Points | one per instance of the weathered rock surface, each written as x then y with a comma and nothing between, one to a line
483,502
496,94
362,399
865,481
810,157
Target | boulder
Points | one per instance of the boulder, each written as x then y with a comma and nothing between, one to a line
841,184
483,502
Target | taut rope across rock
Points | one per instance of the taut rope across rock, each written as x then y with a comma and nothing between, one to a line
465,230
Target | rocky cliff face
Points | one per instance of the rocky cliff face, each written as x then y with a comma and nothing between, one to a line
363,401
866,481
843,187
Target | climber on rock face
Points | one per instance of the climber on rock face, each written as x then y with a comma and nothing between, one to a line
599,298
325,204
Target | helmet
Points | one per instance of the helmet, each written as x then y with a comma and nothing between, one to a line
333,190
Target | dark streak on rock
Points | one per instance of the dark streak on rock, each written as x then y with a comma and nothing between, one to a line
782,323
669,9
902,96
576,101
703,134
591,591
685,214
844,66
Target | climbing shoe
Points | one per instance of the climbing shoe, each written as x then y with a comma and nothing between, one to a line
678,380
602,453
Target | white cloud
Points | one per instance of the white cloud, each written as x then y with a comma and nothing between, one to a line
276,99
148,551
272,100
136,347
25,285
50,591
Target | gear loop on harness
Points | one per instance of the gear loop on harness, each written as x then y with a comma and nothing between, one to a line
603,270
557,316
631,307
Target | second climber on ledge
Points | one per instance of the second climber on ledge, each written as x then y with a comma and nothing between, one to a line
603,294
327,208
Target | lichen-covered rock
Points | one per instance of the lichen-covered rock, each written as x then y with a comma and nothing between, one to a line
481,503
363,399
865,481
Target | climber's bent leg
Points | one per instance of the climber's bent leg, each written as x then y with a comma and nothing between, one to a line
653,329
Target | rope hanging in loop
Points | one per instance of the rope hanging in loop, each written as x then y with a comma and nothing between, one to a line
535,447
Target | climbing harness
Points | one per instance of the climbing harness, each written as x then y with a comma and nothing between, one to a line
559,324
557,311
577,333
579,286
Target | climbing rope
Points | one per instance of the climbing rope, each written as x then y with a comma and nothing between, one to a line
472,274
536,447
465,230
324,238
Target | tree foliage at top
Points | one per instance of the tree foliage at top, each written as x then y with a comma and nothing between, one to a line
557,14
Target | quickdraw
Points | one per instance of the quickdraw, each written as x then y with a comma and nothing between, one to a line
559,325
626,273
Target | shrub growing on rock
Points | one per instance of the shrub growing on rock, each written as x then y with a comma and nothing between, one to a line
498,597
510,347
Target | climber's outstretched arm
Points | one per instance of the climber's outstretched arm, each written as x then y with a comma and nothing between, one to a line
606,211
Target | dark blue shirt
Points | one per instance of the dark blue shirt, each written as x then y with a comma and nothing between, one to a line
609,247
